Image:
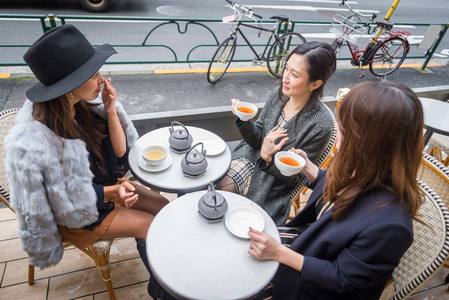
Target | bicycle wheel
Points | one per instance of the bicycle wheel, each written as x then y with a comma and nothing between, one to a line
277,56
388,56
221,60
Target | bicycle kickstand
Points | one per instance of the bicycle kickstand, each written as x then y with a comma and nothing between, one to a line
361,74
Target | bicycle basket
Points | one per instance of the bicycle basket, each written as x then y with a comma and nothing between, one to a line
346,29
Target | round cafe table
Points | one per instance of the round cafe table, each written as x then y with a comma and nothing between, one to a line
194,259
436,118
172,179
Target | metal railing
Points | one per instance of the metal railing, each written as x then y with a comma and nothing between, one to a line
183,24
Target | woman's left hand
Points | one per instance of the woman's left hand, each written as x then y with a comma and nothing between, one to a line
269,147
108,95
263,246
126,193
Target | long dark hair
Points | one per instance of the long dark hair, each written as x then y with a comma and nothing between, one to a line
56,115
321,61
381,125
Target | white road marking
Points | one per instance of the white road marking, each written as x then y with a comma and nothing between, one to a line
445,51
412,39
321,1
309,8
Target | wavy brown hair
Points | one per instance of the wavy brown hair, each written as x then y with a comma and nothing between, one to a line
56,115
381,145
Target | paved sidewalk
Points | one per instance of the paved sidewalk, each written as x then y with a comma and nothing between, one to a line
157,88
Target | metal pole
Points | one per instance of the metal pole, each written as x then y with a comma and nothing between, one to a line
51,18
392,8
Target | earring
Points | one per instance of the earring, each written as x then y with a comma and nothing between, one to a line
311,90
71,95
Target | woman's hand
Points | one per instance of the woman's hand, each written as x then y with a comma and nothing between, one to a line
269,147
310,170
126,193
263,246
108,95
234,102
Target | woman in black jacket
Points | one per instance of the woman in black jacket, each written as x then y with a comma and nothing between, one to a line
361,209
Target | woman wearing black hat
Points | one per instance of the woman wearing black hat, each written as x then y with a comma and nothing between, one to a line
66,155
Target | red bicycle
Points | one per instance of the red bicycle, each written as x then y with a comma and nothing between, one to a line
384,53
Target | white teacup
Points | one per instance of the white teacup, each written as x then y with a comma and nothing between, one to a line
289,163
245,110
154,155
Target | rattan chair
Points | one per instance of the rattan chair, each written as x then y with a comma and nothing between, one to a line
435,175
440,143
295,195
429,249
98,251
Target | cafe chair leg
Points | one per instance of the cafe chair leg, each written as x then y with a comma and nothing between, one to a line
101,260
30,274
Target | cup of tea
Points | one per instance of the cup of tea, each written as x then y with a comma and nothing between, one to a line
154,155
289,163
245,110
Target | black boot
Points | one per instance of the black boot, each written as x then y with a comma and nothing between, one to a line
155,290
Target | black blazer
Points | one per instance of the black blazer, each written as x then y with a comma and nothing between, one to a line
351,258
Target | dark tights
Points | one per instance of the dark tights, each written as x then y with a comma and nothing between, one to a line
228,184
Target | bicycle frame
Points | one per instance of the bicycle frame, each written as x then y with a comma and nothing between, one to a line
261,57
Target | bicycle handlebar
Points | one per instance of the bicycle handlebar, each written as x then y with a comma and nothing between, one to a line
247,10
369,17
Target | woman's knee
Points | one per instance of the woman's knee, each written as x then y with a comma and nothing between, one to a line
227,184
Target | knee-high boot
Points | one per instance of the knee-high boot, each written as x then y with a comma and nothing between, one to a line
155,290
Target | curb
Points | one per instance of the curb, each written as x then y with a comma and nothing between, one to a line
171,69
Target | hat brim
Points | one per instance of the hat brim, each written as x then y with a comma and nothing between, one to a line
42,93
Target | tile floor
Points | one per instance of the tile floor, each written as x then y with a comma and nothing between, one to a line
76,277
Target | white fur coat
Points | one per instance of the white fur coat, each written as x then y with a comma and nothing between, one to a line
48,186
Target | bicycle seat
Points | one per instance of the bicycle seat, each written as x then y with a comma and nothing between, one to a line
385,24
281,18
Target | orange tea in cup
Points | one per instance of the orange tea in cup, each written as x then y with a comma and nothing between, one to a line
245,110
289,161
153,155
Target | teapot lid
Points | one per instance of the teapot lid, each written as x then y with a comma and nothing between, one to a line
180,134
209,200
212,198
194,156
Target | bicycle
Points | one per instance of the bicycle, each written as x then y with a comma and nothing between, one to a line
275,57
385,52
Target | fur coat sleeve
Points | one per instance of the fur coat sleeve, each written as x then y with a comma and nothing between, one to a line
50,183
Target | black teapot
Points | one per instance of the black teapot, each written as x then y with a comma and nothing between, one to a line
194,162
180,139
212,206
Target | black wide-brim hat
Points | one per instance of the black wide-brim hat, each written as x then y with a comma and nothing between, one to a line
62,60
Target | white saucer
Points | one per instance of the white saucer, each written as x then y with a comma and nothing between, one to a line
214,146
150,168
240,219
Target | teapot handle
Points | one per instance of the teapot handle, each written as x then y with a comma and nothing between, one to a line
180,124
202,148
214,193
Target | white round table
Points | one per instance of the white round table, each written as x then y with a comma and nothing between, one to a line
172,179
436,117
193,259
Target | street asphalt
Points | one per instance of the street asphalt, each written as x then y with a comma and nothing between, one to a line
159,88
